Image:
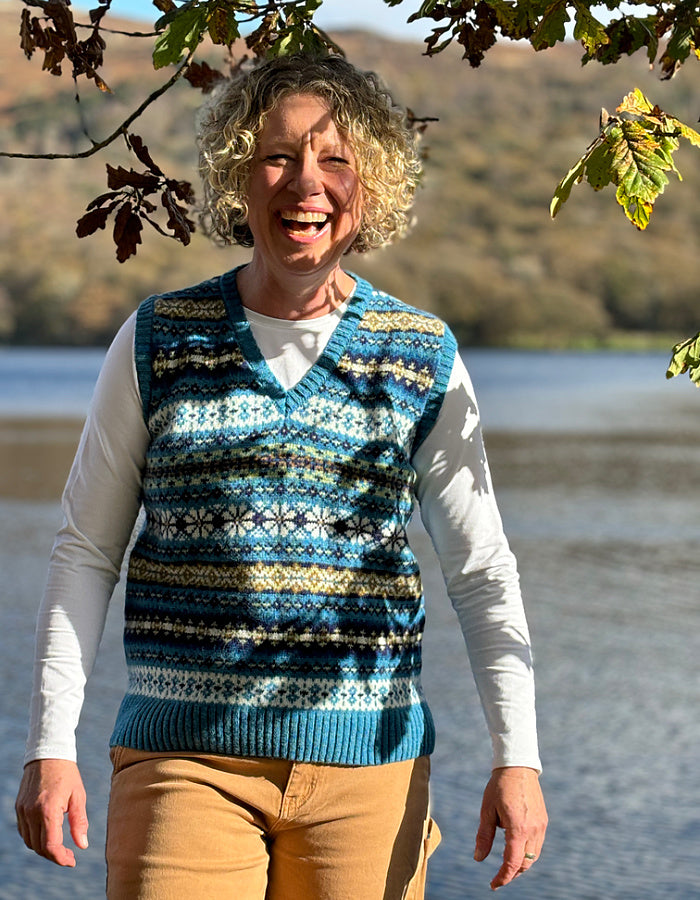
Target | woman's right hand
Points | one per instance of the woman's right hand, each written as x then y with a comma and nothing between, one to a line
50,788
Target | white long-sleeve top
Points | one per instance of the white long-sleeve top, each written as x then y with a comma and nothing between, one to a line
101,503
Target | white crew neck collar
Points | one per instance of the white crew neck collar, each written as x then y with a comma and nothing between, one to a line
316,323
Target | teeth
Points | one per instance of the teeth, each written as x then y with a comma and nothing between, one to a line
306,217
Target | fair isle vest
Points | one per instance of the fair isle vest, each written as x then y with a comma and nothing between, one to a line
273,606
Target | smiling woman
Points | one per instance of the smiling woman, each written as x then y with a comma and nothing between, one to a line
305,160
304,199
364,120
278,423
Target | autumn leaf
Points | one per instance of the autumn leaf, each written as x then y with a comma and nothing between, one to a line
223,26
634,151
178,223
27,40
92,221
118,178
202,76
685,357
127,232
140,150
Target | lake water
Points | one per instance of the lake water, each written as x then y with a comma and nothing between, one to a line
596,461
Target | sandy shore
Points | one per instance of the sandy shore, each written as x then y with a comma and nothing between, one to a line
35,457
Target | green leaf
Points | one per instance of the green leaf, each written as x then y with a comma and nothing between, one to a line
552,26
183,32
639,171
223,25
598,165
638,211
588,29
561,194
286,44
422,12
516,21
688,133
680,43
685,357
635,152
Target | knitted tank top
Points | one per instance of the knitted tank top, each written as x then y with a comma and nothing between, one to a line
273,606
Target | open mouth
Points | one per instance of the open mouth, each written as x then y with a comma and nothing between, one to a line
307,224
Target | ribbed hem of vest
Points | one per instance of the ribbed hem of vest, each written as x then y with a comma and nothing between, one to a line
321,736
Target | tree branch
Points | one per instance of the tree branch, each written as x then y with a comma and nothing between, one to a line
122,129
134,34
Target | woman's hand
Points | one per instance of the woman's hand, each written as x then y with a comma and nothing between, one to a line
513,801
50,788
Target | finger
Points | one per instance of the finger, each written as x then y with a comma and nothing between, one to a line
23,829
30,827
528,860
52,846
513,856
485,836
78,820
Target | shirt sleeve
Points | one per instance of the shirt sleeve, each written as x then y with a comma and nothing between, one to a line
459,512
100,505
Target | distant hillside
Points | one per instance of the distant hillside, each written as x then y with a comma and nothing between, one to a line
484,253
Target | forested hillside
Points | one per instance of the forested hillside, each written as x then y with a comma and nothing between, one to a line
484,252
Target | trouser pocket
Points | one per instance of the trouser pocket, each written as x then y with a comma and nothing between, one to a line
415,890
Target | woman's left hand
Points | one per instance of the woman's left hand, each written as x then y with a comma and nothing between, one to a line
513,801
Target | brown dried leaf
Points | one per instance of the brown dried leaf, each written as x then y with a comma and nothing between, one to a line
182,190
202,76
26,34
102,199
178,223
62,18
54,51
142,153
265,35
127,232
120,178
91,221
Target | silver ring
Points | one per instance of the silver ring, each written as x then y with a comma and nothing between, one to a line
530,856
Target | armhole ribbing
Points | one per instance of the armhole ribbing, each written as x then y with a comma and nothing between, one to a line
435,400
142,352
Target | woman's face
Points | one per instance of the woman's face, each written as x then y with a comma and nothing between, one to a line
304,194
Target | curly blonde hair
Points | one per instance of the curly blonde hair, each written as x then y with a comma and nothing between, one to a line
230,124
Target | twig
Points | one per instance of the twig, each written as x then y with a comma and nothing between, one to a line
116,133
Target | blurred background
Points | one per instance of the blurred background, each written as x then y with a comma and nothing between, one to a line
566,328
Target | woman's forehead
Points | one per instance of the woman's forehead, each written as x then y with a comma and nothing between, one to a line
301,114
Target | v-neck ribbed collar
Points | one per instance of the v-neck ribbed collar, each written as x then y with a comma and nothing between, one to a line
324,365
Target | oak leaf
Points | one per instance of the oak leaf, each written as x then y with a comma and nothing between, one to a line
127,231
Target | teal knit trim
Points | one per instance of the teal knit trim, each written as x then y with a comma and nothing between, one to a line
437,395
314,379
322,736
142,352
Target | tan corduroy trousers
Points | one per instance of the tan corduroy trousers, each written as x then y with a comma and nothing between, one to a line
196,827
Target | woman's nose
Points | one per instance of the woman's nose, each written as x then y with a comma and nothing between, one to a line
307,176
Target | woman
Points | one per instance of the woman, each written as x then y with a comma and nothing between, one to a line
276,423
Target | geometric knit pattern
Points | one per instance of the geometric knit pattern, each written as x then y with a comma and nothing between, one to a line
274,607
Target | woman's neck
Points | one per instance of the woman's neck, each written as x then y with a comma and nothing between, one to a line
297,297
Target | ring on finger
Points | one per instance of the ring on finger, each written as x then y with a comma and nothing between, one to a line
530,856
